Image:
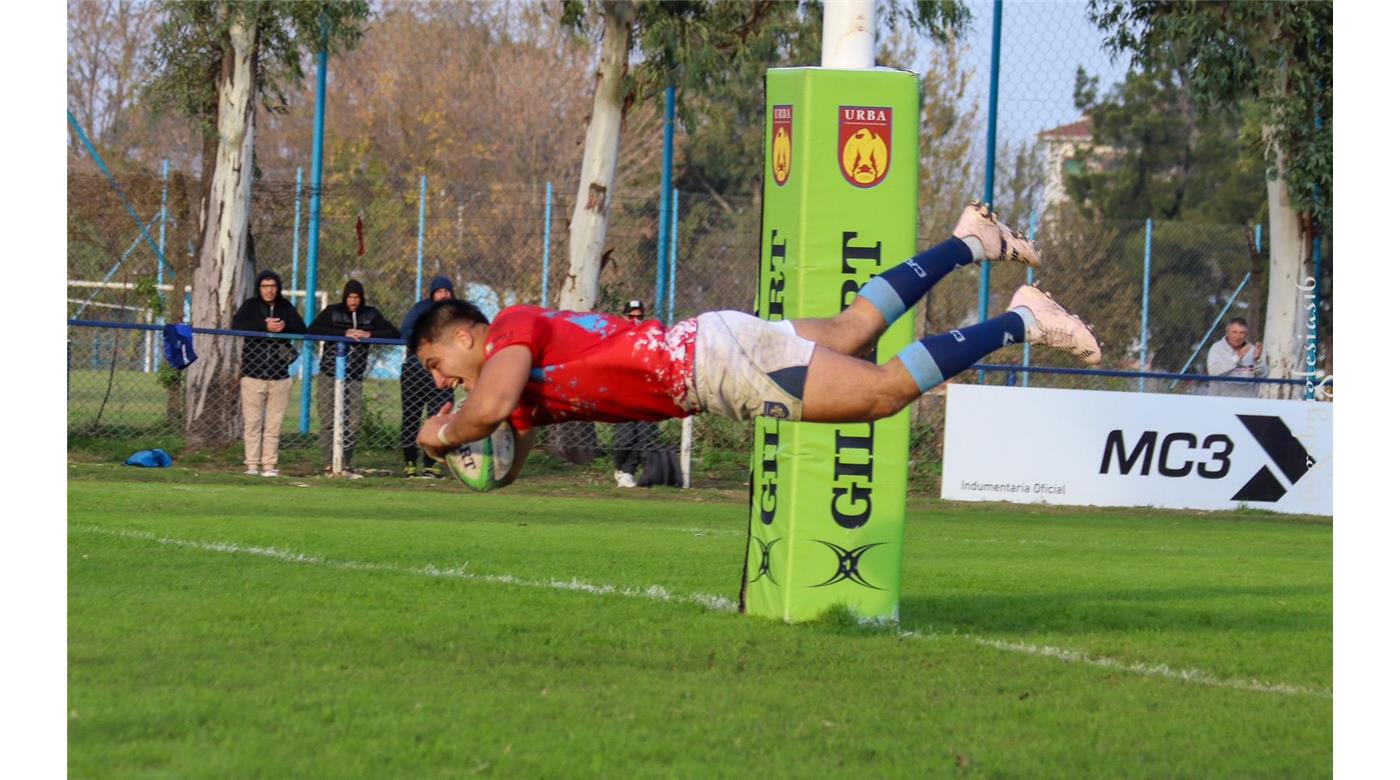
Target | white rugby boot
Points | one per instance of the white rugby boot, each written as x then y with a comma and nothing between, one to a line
999,242
1054,327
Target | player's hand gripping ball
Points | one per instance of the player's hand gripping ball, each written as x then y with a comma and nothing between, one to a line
482,465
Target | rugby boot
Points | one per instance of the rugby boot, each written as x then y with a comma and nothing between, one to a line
1055,327
999,242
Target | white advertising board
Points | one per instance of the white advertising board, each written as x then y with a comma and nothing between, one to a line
1094,448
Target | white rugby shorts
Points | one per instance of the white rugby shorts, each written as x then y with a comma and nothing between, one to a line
746,367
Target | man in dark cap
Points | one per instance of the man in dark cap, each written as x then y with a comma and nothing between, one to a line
416,388
355,319
264,383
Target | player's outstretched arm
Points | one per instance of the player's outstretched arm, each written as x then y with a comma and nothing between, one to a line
490,401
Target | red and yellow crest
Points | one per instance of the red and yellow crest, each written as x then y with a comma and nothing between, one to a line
782,143
863,143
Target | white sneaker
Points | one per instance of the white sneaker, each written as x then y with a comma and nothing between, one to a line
624,480
271,473
1054,327
252,471
348,474
999,242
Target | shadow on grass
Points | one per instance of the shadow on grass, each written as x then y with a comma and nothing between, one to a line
1266,609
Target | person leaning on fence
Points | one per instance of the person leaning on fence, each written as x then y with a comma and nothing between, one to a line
416,389
1234,356
535,366
264,383
355,319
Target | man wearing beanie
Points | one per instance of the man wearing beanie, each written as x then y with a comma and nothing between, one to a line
416,388
355,319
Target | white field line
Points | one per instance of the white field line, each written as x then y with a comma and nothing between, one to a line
718,604
651,593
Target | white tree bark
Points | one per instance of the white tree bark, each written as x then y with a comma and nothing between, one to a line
588,227
224,270
1288,256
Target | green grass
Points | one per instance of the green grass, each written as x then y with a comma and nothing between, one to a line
398,649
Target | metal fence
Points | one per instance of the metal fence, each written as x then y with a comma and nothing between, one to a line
117,391
1156,291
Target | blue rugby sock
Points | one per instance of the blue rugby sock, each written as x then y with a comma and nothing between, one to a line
898,289
934,359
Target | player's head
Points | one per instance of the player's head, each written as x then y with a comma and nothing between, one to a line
450,340
1236,332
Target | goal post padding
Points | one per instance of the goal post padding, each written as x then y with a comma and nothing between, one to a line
840,204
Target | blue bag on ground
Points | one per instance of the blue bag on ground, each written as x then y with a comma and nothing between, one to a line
150,459
179,345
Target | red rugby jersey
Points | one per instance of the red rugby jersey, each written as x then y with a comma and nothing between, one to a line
589,366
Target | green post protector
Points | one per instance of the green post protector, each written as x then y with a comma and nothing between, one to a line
840,205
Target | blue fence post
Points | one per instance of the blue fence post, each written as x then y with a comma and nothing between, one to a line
422,212
984,295
160,242
548,211
1146,286
313,238
671,287
663,223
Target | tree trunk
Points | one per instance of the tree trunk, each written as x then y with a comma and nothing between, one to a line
1288,255
588,228
221,279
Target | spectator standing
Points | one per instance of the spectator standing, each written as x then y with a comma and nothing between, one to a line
417,389
632,439
264,384
1233,355
352,318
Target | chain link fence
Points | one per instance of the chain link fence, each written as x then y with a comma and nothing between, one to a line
430,173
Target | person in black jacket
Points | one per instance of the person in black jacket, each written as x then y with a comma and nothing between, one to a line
354,319
416,388
264,384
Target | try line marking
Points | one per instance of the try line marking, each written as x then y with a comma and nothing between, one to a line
712,602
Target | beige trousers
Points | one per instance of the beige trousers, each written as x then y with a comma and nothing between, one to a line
264,405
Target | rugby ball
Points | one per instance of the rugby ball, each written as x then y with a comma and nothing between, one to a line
482,465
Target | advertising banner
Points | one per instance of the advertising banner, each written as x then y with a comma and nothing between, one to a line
840,205
1094,448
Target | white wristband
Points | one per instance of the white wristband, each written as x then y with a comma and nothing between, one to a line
442,438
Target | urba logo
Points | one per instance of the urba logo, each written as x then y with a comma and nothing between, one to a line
782,143
864,142
765,561
847,565
1210,456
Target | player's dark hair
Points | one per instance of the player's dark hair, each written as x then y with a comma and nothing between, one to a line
442,317
1237,321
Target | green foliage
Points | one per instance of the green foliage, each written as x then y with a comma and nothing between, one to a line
1161,156
192,41
1277,55
715,53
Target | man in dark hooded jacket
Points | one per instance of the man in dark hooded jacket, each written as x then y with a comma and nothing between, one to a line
265,384
417,389
355,319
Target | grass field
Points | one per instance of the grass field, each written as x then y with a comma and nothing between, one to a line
225,626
